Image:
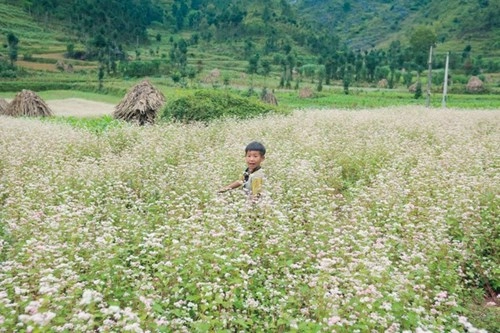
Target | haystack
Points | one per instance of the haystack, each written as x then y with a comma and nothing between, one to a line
140,105
3,105
213,76
383,83
474,85
306,93
268,97
28,104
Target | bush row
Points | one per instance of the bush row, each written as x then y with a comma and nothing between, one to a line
206,105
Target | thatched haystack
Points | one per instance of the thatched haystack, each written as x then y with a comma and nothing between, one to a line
213,76
268,97
3,106
28,104
140,105
306,93
474,85
60,65
383,83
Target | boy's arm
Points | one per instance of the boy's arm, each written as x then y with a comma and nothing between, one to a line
231,186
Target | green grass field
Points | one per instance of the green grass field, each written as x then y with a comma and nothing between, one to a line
329,98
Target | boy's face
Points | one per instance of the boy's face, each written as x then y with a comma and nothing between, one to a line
253,159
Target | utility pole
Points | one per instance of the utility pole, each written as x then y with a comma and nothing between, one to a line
429,79
445,85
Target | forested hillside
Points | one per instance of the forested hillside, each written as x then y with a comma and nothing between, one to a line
362,25
370,23
352,42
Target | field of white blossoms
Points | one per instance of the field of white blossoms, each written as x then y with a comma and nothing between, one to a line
373,220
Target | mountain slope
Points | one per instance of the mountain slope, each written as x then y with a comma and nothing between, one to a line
373,23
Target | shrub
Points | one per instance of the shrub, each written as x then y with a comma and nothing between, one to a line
462,79
206,105
7,70
418,90
140,68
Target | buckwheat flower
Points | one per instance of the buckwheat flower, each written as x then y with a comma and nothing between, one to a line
333,320
24,318
20,291
441,296
83,316
134,327
129,314
147,302
162,321
114,309
462,320
386,306
252,303
393,328
40,319
90,296
32,308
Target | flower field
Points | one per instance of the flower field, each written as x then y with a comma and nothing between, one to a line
373,220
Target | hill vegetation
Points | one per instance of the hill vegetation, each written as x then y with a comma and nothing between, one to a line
299,43
375,23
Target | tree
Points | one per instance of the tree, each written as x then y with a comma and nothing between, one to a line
371,61
347,77
253,64
421,40
178,55
12,42
266,67
320,72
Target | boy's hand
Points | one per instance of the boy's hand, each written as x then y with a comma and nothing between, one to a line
224,189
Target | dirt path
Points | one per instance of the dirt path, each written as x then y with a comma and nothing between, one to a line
77,107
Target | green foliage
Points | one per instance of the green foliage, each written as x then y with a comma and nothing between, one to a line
7,70
207,105
116,20
484,316
95,125
12,44
140,68
418,90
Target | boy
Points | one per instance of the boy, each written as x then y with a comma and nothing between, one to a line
253,177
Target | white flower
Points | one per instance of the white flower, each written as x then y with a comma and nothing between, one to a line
333,320
83,316
90,296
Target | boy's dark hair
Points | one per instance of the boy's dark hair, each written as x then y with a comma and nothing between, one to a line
256,146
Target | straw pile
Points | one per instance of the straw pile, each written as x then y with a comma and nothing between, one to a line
3,105
269,98
140,105
28,104
306,93
474,85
